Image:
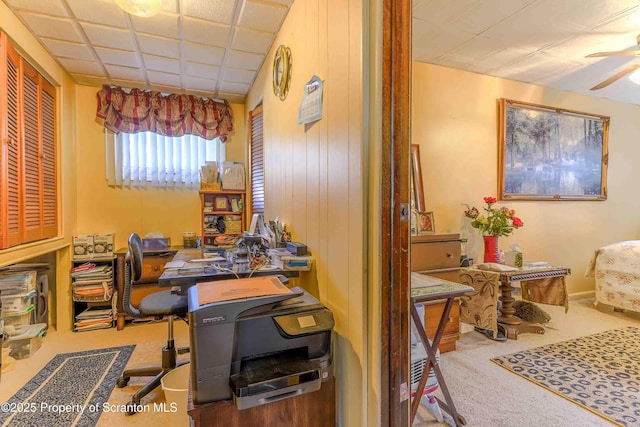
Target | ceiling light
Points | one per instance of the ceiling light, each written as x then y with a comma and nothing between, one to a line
144,8
635,77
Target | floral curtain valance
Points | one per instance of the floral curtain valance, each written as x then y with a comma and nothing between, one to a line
168,115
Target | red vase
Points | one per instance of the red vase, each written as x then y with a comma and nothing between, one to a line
491,249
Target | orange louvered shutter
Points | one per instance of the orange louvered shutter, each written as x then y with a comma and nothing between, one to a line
32,184
10,152
256,161
48,161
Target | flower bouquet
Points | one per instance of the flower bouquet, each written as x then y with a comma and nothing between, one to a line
492,223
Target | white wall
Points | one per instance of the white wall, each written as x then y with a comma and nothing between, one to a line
455,121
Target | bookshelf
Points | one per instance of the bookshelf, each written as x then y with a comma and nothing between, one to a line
222,213
92,290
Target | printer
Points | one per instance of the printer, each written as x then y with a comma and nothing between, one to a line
258,350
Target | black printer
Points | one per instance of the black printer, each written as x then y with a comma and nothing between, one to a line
259,350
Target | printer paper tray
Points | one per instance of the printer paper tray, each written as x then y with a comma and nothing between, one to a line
273,378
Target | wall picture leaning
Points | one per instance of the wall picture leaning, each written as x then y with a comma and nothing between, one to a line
548,153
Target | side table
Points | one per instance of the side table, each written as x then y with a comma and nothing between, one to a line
545,285
423,289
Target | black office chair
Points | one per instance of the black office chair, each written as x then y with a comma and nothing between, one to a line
159,304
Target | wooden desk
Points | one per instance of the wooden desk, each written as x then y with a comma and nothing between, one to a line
447,290
185,278
315,409
545,285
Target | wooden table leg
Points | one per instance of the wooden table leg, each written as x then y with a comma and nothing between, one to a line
432,363
507,309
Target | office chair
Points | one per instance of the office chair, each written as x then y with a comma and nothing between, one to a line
159,304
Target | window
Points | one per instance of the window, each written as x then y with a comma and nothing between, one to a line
257,161
135,159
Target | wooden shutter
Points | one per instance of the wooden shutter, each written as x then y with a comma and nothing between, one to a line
48,160
10,146
256,153
32,194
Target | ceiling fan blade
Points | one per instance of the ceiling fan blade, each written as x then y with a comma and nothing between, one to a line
615,53
612,79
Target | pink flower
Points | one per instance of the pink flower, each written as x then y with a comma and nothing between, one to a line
490,200
517,222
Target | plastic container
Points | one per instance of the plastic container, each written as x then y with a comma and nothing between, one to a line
285,261
18,323
18,302
176,391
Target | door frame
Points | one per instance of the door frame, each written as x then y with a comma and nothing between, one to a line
395,197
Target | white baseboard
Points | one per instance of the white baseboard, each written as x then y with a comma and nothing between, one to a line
582,295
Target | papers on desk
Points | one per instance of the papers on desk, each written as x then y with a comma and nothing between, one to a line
227,290
493,266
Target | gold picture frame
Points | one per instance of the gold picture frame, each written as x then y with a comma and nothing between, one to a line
426,223
548,153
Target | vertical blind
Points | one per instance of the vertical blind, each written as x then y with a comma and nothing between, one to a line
257,161
135,159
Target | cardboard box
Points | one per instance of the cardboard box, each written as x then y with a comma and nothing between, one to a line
103,245
82,246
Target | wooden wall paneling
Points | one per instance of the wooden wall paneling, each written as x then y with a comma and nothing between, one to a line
32,184
396,87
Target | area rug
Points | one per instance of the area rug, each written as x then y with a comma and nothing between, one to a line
599,372
69,391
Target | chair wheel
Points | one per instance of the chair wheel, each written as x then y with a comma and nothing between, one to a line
131,408
123,381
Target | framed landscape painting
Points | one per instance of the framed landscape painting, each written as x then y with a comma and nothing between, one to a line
549,153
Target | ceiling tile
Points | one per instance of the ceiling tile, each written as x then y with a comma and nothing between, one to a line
236,75
204,32
126,73
201,70
166,79
160,63
442,12
162,24
250,61
252,41
211,10
199,83
232,97
80,66
486,14
261,16
159,46
82,79
50,7
68,49
234,87
431,42
100,35
159,87
129,84
54,28
98,12
201,53
118,57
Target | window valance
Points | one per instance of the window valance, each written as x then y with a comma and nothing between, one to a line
169,115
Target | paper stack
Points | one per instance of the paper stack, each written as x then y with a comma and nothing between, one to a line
92,282
94,318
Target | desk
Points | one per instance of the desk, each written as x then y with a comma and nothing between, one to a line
184,278
545,285
442,290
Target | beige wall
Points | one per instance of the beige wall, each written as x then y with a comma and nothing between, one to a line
28,47
455,122
103,209
314,174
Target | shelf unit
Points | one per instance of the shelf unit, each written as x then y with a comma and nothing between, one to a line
222,213
94,292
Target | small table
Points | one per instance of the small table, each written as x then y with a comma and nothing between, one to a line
185,278
423,289
544,284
